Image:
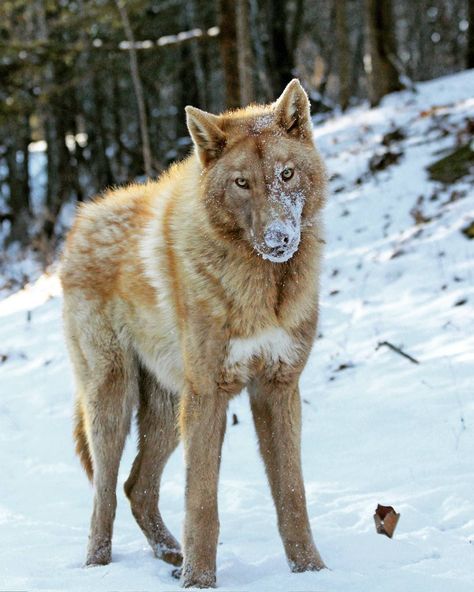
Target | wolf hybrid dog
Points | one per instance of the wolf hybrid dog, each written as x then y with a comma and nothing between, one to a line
178,294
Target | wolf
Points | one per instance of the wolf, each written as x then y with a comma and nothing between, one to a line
178,294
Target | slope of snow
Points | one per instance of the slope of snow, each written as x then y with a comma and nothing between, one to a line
377,428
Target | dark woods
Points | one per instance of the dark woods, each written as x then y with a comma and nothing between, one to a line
92,92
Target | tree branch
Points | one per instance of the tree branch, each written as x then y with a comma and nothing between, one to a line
397,350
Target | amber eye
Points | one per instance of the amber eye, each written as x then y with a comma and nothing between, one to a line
287,173
242,183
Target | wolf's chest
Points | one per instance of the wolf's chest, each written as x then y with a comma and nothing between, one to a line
271,345
243,354
267,348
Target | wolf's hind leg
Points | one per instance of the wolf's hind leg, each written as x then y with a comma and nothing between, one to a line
158,437
107,408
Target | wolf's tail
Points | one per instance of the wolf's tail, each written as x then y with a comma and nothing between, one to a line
82,444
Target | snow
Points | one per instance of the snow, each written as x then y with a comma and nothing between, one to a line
377,428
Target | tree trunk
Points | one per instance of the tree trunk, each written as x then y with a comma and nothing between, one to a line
228,48
97,137
137,85
191,21
281,56
258,30
297,25
470,35
17,159
59,180
379,59
185,94
343,54
245,56
120,172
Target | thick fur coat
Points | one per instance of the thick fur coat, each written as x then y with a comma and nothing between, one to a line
178,294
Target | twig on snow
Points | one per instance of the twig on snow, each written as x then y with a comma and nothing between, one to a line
397,350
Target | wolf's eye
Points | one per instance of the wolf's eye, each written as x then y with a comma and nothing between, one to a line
242,183
287,173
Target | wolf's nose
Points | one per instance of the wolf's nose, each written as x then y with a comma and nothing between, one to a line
277,234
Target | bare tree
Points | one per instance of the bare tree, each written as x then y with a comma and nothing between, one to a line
55,122
229,55
296,25
264,90
16,144
281,56
380,55
192,17
470,33
137,85
343,54
244,52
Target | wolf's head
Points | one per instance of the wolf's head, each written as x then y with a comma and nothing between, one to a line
263,180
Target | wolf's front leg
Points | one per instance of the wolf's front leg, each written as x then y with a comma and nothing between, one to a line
203,421
276,409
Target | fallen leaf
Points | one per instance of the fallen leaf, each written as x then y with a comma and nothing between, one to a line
386,520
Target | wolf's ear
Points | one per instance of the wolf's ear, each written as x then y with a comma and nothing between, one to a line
292,111
208,138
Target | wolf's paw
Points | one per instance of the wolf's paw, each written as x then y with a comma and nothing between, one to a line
314,564
99,555
194,579
172,555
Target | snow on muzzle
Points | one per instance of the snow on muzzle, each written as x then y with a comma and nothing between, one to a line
281,240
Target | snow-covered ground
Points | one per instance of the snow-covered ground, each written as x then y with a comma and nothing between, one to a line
377,427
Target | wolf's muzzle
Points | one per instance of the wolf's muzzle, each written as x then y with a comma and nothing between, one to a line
279,235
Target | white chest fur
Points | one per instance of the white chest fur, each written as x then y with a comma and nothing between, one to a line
271,344
164,359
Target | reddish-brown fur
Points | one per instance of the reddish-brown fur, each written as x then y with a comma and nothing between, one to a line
178,294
